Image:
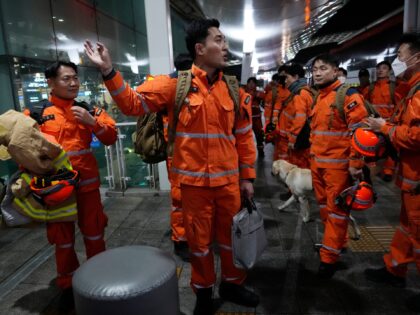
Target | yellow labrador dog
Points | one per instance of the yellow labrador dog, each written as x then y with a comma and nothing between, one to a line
299,181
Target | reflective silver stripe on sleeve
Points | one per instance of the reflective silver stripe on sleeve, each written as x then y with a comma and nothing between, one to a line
245,166
409,181
331,160
331,133
390,106
81,152
288,115
243,130
204,135
143,103
300,115
101,131
118,91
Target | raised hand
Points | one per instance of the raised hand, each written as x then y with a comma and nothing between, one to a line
99,56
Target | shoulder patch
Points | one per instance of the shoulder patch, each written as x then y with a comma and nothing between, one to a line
248,98
174,75
352,105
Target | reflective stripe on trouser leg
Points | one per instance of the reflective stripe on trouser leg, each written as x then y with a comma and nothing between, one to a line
177,217
228,204
200,205
92,221
335,233
406,238
198,213
61,234
320,194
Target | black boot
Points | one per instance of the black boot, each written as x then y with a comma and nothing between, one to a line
382,275
181,249
66,301
413,303
204,302
326,271
238,294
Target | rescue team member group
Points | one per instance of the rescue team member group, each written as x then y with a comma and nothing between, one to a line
214,156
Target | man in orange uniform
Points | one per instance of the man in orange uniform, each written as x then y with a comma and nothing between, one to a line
273,102
332,158
404,133
73,127
214,154
257,126
297,110
381,95
281,141
182,62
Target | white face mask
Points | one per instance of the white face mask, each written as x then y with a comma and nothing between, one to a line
398,66
342,79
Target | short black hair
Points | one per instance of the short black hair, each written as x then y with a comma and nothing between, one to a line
326,58
387,63
295,69
197,31
281,68
183,62
275,77
364,73
253,79
52,70
343,70
412,40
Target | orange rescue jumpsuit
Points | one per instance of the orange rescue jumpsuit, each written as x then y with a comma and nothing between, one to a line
213,150
75,138
331,155
177,217
404,134
296,112
257,125
380,97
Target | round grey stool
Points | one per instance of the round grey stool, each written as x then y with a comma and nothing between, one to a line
129,280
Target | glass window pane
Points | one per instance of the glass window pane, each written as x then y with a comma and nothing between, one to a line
139,16
178,34
121,11
29,31
74,22
121,42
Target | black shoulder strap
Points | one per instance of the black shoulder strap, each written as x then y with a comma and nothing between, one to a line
36,110
87,106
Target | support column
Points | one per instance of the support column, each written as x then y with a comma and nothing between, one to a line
159,41
246,67
411,16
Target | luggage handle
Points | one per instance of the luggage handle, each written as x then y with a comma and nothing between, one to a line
250,204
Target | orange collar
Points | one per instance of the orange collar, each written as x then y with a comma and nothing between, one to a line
60,102
202,75
330,87
414,79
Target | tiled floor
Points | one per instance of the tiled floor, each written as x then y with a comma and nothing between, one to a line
285,277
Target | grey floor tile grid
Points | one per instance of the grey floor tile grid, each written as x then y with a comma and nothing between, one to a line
285,277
